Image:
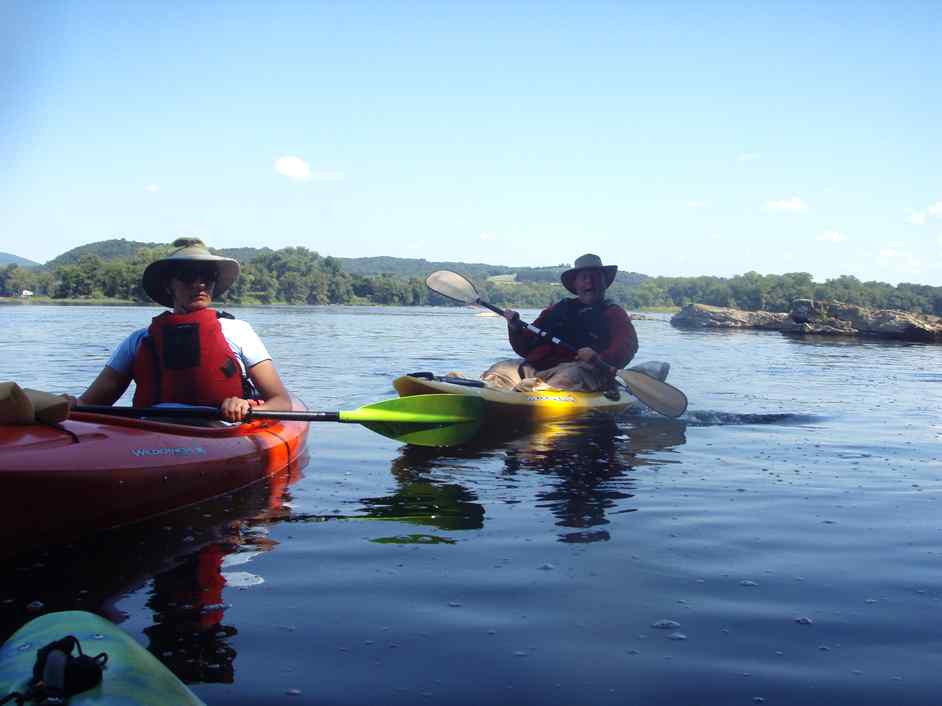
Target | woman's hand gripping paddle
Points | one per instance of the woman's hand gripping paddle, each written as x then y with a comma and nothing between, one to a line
659,396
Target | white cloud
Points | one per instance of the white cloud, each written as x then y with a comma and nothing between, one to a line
152,188
919,218
293,168
792,204
489,236
832,236
889,252
697,204
748,157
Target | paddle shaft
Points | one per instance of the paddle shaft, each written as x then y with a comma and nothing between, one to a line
610,369
420,420
203,411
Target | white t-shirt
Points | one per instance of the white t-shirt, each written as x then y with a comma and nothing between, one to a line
240,336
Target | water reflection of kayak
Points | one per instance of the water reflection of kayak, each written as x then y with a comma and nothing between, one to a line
186,562
133,676
92,472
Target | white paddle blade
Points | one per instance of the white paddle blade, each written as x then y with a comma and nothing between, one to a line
657,395
453,286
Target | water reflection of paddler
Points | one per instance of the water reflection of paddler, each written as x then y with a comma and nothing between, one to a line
590,458
195,546
599,330
188,634
192,354
590,461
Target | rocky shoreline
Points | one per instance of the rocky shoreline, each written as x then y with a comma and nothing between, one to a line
825,318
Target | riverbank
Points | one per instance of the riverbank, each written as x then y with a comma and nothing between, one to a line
49,301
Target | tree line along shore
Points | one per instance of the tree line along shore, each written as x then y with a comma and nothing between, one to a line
297,275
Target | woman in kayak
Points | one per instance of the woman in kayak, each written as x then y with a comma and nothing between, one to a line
599,330
194,354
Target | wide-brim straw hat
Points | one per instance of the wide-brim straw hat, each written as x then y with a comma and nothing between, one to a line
588,262
158,273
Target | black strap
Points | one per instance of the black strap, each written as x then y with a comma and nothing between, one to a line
248,389
158,373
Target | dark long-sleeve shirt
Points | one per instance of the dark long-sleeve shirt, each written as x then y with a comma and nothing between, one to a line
621,349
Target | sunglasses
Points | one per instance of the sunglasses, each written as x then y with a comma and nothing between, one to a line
195,273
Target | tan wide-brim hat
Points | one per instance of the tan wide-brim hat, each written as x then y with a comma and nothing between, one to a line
158,273
588,262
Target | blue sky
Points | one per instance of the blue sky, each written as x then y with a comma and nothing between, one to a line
671,138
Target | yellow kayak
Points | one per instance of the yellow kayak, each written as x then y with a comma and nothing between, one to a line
506,405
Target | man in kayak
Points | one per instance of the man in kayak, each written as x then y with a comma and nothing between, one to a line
599,330
193,354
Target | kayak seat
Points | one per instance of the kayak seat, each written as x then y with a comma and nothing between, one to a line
465,382
451,379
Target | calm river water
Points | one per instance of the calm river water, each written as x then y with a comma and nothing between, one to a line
780,544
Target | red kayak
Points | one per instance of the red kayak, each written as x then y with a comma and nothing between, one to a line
95,471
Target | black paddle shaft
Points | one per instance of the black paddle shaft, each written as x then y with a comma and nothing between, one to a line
612,370
460,289
531,328
203,411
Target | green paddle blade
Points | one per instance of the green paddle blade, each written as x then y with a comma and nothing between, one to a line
430,435
422,420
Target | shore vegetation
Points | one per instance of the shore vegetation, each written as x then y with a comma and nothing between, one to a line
296,275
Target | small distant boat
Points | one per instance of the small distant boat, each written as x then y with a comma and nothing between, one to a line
486,313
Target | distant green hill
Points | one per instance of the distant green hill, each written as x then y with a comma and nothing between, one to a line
107,250
243,255
121,248
411,267
11,259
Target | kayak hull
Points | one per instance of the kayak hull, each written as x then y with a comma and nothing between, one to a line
507,406
94,472
133,676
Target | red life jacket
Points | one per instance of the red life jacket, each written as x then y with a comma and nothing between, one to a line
185,358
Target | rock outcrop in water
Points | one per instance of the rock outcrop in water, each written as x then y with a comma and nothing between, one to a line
829,318
705,316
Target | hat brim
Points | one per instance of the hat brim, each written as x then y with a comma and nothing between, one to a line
157,273
569,275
